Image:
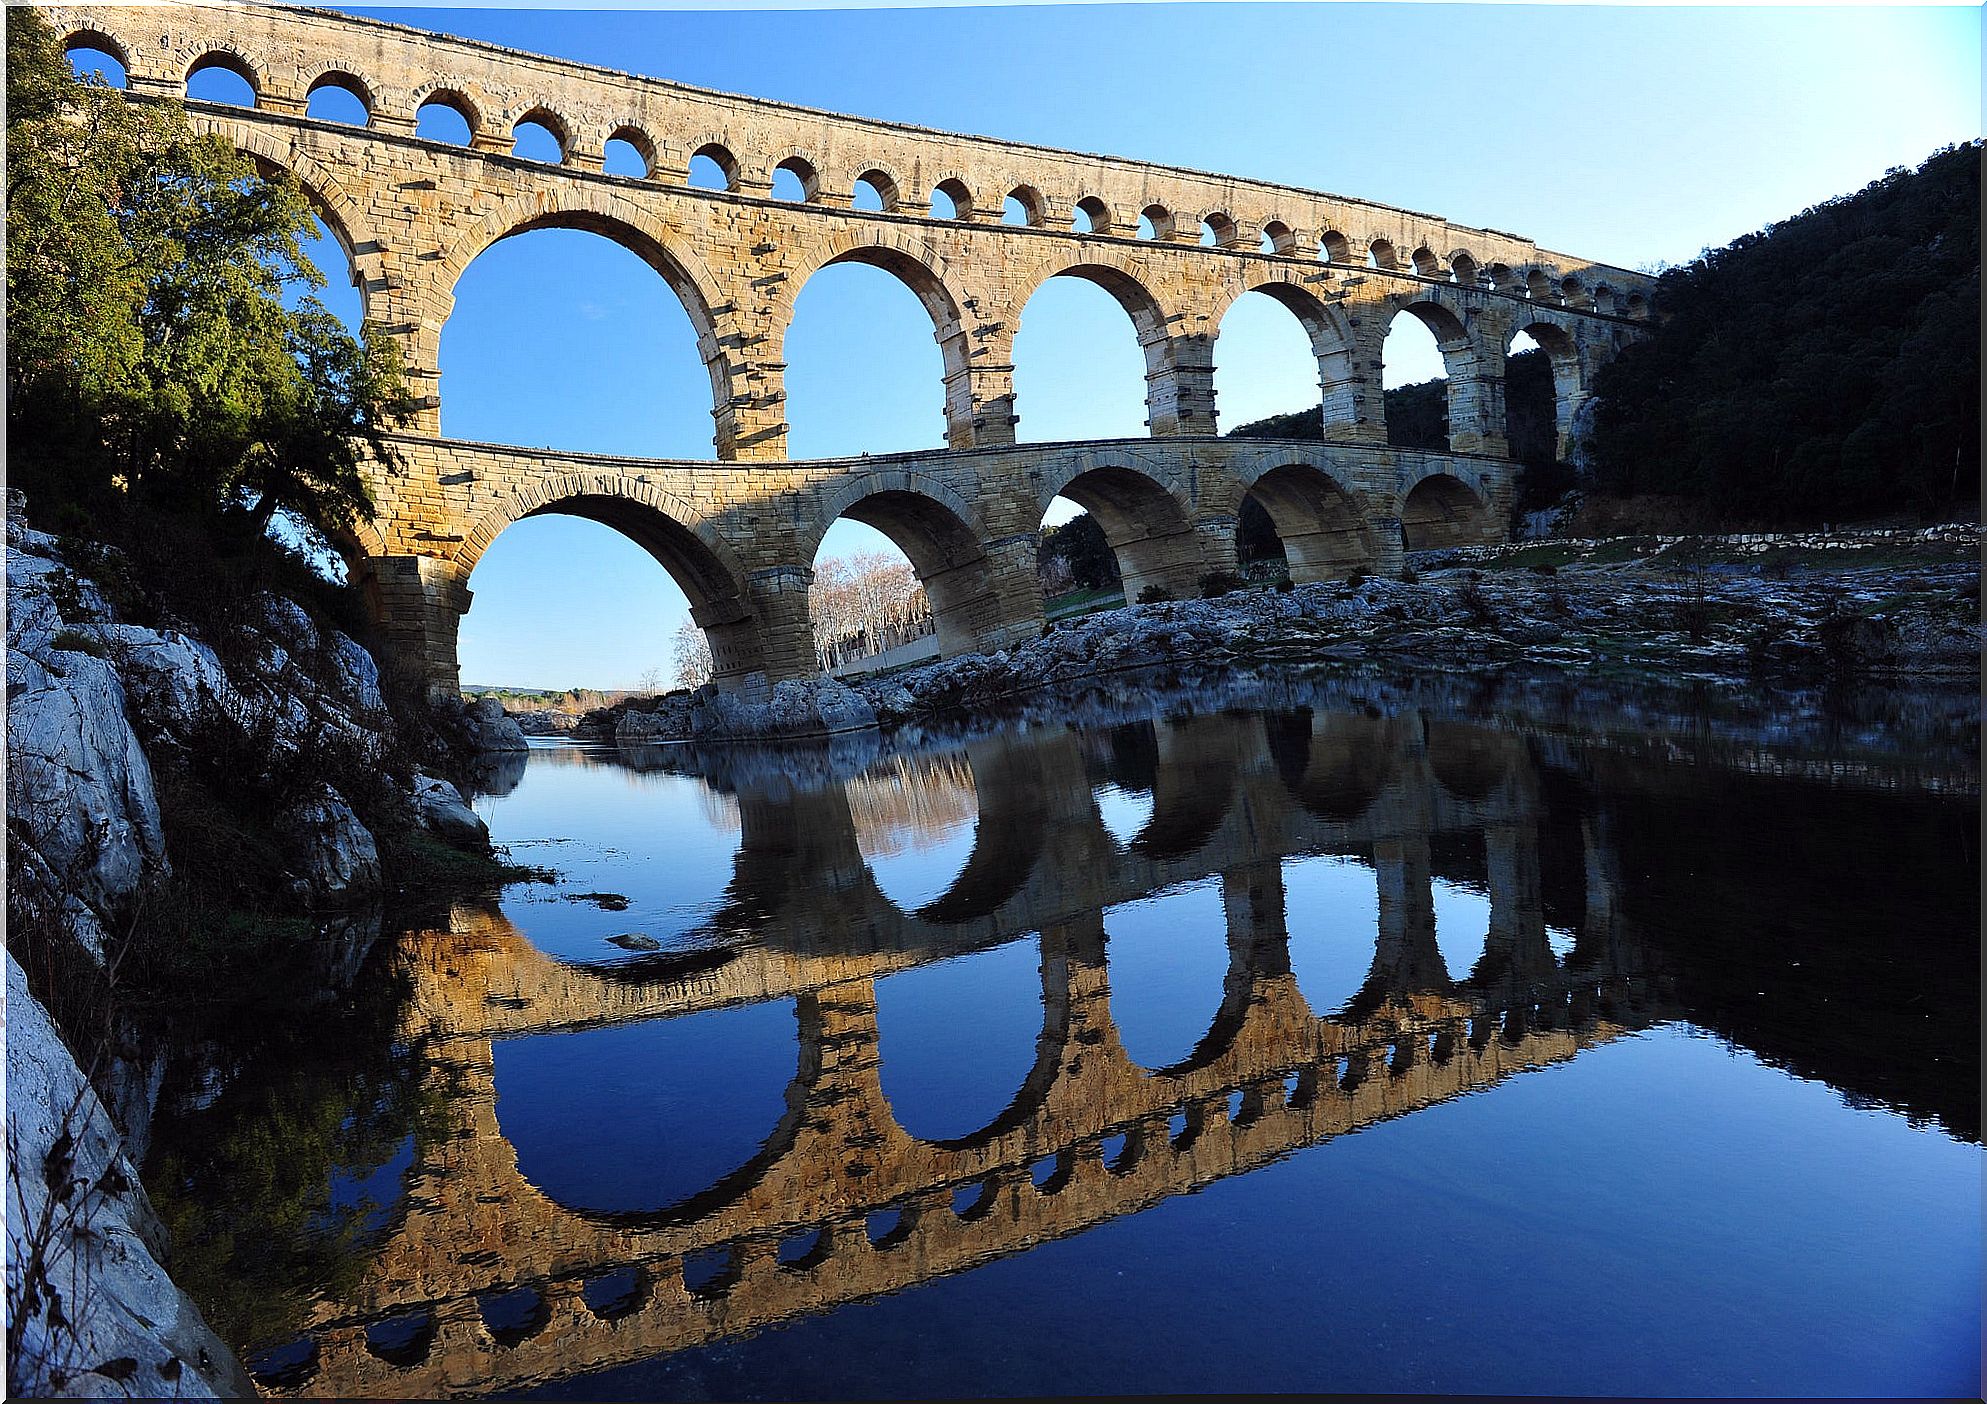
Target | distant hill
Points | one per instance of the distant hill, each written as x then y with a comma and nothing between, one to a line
1827,367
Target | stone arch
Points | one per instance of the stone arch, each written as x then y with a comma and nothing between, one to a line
718,154
1034,205
231,58
1279,238
599,209
1380,253
1161,220
92,36
909,258
1325,324
1440,510
1468,762
643,144
1335,247
1562,349
942,535
1322,521
344,216
1221,226
679,537
539,115
351,82
1146,512
807,171
1459,362
884,181
1464,268
457,96
1425,262
1123,277
953,187
1335,764
1094,215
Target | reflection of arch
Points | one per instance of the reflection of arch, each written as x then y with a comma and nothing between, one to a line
1442,511
1193,788
1324,533
1145,516
940,533
1468,761
700,562
1040,1079
1013,825
1335,764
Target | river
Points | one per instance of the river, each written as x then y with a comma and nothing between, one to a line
1352,1039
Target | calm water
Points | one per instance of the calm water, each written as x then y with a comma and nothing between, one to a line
1355,1045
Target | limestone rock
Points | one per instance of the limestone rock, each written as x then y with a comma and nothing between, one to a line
818,706
333,854
443,812
491,728
667,720
131,1332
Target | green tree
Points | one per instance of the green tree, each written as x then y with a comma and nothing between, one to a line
1093,565
152,362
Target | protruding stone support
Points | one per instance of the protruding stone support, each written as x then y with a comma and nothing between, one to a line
752,423
1476,407
418,603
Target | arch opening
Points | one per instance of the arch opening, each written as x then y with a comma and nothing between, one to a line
1463,270
796,180
874,190
446,117
339,97
1426,362
1076,374
562,334
1441,512
1278,238
1074,563
947,1089
712,167
1025,207
539,137
1168,966
843,405
1147,529
1155,222
1091,216
94,55
1267,371
628,152
1218,231
1335,247
950,199
1316,527
932,578
1541,390
223,78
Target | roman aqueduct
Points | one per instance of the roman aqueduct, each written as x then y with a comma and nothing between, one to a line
1176,248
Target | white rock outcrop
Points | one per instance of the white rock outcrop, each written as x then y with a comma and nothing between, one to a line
73,1195
444,813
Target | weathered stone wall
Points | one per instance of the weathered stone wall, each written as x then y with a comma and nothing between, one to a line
413,213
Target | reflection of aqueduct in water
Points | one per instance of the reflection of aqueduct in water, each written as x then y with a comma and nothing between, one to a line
740,535
840,1202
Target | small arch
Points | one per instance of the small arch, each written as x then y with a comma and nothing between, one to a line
245,89
1500,277
432,118
803,1252
975,1201
334,96
1217,230
1324,533
1604,299
1278,238
622,1292
1463,268
1538,285
887,1228
950,199
1091,216
1024,207
1155,222
1572,291
89,50
1442,511
1638,305
711,1272
285,1366
402,1341
1051,1173
801,183
1335,247
1426,263
541,135
712,167
514,1316
1380,254
875,189
1121,1152
628,152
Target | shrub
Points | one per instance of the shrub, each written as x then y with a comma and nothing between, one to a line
1284,584
1544,568
1409,575
1475,603
1155,594
1356,580
1220,582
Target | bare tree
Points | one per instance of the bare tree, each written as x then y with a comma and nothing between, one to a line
692,654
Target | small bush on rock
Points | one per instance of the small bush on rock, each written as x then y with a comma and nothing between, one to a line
1155,594
1220,582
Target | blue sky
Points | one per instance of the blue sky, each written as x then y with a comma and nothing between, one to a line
1638,135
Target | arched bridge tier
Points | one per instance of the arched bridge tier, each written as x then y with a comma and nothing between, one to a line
412,213
741,538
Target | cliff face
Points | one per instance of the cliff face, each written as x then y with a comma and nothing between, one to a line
285,732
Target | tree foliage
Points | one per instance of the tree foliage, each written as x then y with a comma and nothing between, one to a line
152,361
1080,545
1825,367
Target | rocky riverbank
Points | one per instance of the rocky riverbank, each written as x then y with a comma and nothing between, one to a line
1723,612
148,769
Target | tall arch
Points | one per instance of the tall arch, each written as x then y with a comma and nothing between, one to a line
1475,424
1178,386
594,210
1441,510
1568,381
1331,344
911,262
